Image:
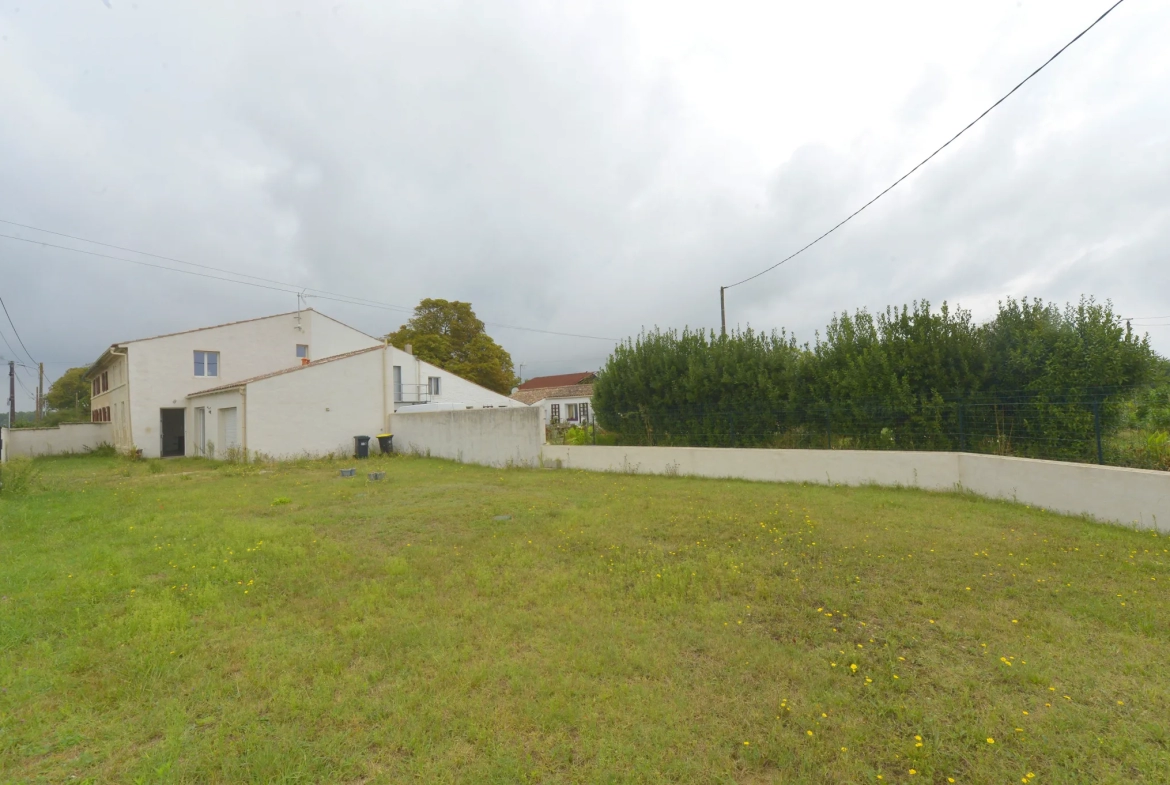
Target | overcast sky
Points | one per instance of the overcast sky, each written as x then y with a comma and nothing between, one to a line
578,167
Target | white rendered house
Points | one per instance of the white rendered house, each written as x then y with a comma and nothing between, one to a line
565,399
140,387
317,409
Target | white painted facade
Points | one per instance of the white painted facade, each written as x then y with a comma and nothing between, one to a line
563,410
416,376
318,408
206,429
157,374
113,402
565,405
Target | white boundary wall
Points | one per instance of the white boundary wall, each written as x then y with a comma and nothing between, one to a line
1127,496
59,440
510,436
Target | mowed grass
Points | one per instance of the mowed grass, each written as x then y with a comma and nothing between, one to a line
187,622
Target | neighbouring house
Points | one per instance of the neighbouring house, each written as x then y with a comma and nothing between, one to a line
564,399
317,409
140,387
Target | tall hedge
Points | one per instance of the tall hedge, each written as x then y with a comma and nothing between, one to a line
1034,380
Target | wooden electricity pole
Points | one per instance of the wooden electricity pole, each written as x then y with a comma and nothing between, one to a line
40,389
11,394
722,312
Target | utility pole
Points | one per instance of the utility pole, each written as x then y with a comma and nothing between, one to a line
722,311
11,394
40,389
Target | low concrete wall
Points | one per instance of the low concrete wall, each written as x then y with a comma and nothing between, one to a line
493,437
65,438
1107,493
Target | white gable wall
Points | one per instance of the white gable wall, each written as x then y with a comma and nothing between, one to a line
316,410
329,337
452,388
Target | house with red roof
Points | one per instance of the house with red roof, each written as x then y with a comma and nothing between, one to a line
565,398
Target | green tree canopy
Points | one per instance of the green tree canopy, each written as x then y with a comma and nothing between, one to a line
447,333
70,392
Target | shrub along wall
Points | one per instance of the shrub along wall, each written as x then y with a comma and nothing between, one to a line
1036,380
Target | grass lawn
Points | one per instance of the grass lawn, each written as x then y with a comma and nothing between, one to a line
181,621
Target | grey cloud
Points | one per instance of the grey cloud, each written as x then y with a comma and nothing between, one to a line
530,159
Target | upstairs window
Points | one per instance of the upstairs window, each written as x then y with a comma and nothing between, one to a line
105,381
433,385
302,350
206,363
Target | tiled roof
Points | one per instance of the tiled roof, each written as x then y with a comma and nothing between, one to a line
567,391
560,380
314,364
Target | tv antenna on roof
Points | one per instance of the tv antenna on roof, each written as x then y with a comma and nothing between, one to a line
302,303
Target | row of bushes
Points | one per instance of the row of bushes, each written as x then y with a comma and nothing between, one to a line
1035,380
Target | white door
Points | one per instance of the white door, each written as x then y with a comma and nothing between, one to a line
228,422
200,431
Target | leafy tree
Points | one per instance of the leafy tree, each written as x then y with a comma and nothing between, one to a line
448,334
70,393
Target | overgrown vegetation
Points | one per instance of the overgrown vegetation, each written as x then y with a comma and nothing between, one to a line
18,476
199,622
1036,380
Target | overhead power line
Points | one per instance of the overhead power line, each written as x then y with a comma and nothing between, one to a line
15,354
289,288
966,128
16,333
181,261
26,390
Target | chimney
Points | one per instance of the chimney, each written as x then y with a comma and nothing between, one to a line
408,349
